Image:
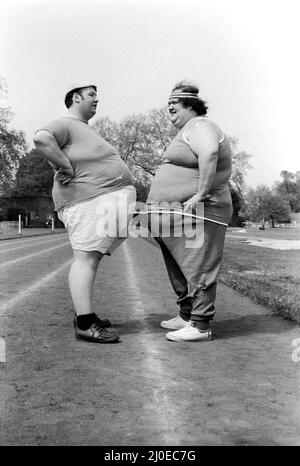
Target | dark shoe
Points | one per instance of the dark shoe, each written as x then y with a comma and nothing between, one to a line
101,322
96,334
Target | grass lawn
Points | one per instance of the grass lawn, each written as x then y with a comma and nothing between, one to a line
268,276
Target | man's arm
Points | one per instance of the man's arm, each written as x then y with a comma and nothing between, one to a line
47,147
204,143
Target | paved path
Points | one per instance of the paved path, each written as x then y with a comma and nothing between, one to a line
240,389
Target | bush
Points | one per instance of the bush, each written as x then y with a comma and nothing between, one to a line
12,213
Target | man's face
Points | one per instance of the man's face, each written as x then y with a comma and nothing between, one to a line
87,105
178,114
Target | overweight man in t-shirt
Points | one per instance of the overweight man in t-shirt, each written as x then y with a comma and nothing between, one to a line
90,179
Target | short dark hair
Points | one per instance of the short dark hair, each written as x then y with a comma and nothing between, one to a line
69,95
198,105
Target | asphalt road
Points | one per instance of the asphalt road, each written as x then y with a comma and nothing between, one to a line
242,388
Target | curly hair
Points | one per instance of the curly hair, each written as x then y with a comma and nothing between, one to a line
198,105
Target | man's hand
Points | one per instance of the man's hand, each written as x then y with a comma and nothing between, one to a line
64,175
192,202
47,146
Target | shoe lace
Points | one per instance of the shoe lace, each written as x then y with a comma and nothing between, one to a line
100,330
101,320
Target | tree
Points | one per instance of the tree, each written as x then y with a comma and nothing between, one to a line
12,147
141,140
237,183
289,189
240,166
262,204
34,176
108,129
237,219
12,213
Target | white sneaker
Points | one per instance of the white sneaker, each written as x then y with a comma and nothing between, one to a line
190,333
174,324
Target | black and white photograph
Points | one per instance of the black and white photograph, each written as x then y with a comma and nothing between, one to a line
149,226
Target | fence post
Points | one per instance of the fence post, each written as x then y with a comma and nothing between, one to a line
2,350
20,225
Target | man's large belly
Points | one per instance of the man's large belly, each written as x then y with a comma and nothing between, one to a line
174,183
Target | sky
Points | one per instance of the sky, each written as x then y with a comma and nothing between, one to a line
243,54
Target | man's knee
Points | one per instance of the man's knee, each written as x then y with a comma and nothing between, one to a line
91,258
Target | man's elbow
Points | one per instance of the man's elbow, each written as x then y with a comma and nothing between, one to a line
42,143
39,138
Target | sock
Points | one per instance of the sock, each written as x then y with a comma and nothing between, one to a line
185,315
202,325
85,321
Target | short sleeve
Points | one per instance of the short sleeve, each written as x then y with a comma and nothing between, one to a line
58,130
201,135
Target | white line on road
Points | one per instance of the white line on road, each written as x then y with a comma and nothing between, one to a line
29,256
151,362
37,243
33,288
24,239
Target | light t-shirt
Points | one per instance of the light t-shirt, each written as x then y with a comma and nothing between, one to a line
97,165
